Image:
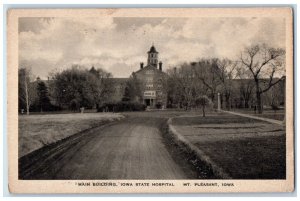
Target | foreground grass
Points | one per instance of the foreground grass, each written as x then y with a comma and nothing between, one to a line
244,148
36,131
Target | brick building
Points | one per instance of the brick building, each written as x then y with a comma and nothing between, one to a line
152,78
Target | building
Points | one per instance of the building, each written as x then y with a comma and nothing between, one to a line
153,91
152,78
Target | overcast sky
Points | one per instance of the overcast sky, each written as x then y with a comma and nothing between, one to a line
120,44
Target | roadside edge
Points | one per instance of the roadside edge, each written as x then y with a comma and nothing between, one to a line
201,156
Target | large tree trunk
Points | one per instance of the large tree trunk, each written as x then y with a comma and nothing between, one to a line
258,97
212,96
258,103
228,103
203,111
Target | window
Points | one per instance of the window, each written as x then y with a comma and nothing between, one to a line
149,79
149,72
149,85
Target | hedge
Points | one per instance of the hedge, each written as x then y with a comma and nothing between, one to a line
121,106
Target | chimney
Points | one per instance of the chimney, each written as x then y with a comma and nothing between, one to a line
142,65
160,66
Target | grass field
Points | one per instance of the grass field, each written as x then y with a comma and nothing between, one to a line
36,131
267,113
244,148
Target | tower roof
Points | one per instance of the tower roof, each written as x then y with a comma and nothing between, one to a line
152,50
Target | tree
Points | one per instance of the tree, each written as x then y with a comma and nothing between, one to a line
275,96
264,63
192,80
27,92
43,98
102,85
185,85
206,71
87,88
203,101
133,89
226,73
126,95
171,89
74,105
245,85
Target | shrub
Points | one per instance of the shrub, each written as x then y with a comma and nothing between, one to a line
274,107
158,105
121,106
36,107
204,102
74,105
54,108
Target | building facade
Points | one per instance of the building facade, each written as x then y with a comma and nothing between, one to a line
152,79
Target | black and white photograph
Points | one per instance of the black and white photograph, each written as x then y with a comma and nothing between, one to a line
151,100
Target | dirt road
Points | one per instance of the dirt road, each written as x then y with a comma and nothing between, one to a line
130,149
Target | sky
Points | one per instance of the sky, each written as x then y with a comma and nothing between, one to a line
118,45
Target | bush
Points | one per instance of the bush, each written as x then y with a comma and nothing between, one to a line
46,108
158,105
74,105
274,107
121,106
54,108
204,102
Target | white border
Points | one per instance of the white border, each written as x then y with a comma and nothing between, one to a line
66,3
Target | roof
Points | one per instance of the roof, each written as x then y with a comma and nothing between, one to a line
119,80
152,50
149,67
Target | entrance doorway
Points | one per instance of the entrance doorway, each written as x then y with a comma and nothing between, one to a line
147,102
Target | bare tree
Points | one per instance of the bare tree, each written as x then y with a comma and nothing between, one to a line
185,83
171,85
226,74
27,91
102,85
206,71
275,96
245,85
264,63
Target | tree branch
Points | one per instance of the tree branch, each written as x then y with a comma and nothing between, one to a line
271,84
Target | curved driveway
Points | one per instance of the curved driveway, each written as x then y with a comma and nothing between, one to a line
130,149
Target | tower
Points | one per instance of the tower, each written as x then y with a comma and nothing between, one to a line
152,57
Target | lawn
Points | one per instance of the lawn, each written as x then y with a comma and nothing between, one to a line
36,131
244,148
267,113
